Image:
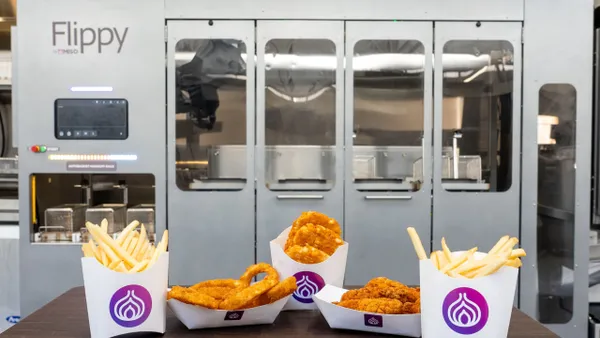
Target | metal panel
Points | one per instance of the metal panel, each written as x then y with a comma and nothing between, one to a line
457,10
15,101
276,209
202,223
135,73
573,65
484,216
376,217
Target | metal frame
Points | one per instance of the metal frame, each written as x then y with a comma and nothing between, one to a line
363,210
487,215
424,10
572,34
274,209
202,226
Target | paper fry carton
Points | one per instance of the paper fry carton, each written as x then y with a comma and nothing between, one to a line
197,317
119,303
342,318
310,278
456,307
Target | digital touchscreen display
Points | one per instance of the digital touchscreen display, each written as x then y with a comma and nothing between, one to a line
91,119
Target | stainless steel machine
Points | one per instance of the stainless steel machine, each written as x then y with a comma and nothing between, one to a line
454,117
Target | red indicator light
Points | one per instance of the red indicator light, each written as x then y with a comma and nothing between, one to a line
35,149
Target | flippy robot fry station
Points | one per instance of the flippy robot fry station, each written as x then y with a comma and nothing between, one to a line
462,118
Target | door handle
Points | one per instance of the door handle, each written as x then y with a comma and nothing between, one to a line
386,197
300,197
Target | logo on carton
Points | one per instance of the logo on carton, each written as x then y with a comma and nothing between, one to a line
234,315
465,311
69,38
373,320
131,305
308,283
13,319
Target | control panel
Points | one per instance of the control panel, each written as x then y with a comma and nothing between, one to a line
91,119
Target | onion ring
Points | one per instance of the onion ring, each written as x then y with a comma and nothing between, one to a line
259,268
227,283
248,295
285,288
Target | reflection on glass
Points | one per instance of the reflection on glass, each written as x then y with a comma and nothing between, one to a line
61,204
210,103
477,115
388,115
556,202
300,114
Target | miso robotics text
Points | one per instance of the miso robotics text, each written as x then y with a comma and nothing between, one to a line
71,39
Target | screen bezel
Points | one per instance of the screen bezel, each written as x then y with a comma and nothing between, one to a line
125,137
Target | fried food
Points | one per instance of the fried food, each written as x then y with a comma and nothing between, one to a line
313,238
306,254
383,295
259,268
247,295
318,237
192,297
228,283
233,294
285,288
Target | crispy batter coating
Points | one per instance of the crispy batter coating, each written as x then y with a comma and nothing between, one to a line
228,283
285,288
306,254
312,217
192,297
383,295
247,295
374,305
256,269
217,292
318,237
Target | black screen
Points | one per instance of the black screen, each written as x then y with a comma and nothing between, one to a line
91,119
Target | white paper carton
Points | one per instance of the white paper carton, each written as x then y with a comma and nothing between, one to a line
310,278
197,317
456,307
119,303
342,318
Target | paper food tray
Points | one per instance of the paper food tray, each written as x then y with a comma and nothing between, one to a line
120,303
197,317
310,278
342,318
456,307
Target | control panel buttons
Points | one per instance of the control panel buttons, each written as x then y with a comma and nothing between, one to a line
38,149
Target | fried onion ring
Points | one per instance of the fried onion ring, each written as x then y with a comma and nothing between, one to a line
259,268
217,292
285,288
227,283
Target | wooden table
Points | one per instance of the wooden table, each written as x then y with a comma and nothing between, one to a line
66,317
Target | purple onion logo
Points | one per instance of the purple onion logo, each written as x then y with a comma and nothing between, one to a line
308,283
465,311
130,306
373,320
234,315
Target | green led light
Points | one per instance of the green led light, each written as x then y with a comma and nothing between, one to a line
42,149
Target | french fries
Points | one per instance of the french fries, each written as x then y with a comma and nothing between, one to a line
131,252
465,265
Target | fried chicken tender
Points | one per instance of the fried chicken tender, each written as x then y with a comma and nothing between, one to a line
228,283
247,295
192,297
383,295
256,269
374,305
306,254
318,237
312,217
217,292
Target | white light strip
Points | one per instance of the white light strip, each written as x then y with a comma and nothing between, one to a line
91,89
91,157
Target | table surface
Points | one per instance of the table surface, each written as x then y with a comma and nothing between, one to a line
66,317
